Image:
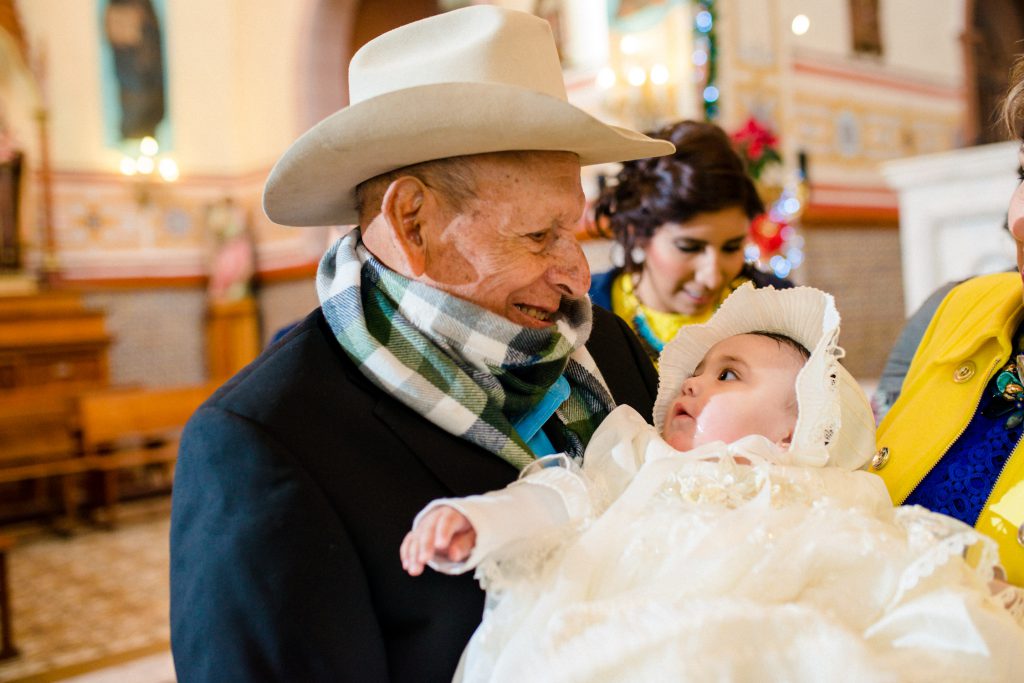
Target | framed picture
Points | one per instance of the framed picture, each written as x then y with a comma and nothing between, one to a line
133,73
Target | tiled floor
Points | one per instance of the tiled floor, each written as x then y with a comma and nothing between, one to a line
152,669
96,599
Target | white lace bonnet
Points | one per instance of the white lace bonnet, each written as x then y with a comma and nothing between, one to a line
835,425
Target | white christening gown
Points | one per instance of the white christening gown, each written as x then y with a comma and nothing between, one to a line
654,565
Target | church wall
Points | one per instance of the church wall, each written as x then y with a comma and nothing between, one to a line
233,77
241,88
848,112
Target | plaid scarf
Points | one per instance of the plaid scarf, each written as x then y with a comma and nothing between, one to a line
467,370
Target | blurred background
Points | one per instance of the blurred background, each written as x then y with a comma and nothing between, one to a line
138,271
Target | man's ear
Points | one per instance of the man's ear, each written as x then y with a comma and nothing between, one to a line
402,209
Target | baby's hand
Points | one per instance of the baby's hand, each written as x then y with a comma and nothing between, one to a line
443,533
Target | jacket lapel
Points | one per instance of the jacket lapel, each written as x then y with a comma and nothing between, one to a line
462,467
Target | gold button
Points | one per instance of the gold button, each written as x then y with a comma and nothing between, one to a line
880,458
964,372
1020,534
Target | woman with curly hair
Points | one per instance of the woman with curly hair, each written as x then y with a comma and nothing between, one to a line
680,224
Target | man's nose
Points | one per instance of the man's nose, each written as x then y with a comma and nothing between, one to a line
569,272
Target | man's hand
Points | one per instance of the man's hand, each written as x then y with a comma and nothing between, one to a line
443,533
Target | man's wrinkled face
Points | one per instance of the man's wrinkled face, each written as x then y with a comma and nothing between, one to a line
512,249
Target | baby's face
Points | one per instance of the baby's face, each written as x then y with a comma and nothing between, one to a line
745,385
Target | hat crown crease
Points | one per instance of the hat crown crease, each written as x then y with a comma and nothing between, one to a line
506,48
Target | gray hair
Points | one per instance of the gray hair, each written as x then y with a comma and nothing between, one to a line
454,178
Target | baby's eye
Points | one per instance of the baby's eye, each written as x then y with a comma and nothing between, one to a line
727,375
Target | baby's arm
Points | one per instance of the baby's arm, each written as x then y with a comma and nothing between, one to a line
453,535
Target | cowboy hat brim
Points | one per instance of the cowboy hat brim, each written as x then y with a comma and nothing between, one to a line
314,181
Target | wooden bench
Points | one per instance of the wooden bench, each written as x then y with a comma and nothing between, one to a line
127,428
38,445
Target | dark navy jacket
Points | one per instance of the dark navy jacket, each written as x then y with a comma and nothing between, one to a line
295,485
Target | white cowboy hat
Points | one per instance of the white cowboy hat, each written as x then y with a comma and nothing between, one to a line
474,80
835,424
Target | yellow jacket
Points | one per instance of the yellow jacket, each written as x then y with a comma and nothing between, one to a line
967,341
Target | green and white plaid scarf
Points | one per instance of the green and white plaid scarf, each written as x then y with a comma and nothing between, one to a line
466,369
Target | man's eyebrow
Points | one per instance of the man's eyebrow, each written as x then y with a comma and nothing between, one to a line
564,221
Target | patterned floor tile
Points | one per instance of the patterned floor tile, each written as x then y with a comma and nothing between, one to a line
94,596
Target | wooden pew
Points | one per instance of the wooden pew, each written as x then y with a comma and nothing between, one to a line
125,428
38,444
7,649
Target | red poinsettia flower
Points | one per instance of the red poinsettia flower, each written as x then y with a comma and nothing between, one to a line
756,143
767,234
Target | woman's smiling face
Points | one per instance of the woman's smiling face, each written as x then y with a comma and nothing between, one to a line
687,265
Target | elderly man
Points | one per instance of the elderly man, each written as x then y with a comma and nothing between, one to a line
454,345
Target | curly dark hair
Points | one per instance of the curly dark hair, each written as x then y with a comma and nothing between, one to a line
705,175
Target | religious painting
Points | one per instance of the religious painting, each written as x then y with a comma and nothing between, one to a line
134,74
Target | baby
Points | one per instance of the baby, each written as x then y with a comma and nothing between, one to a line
736,539
745,385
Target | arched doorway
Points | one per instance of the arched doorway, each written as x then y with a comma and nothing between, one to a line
993,35
338,28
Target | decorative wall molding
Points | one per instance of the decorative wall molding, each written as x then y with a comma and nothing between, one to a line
867,73
110,227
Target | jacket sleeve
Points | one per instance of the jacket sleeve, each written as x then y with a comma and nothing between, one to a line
924,353
261,566
898,363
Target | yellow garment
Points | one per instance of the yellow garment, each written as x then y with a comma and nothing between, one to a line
664,325
967,342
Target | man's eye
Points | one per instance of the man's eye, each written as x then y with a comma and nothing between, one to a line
538,236
727,376
732,248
